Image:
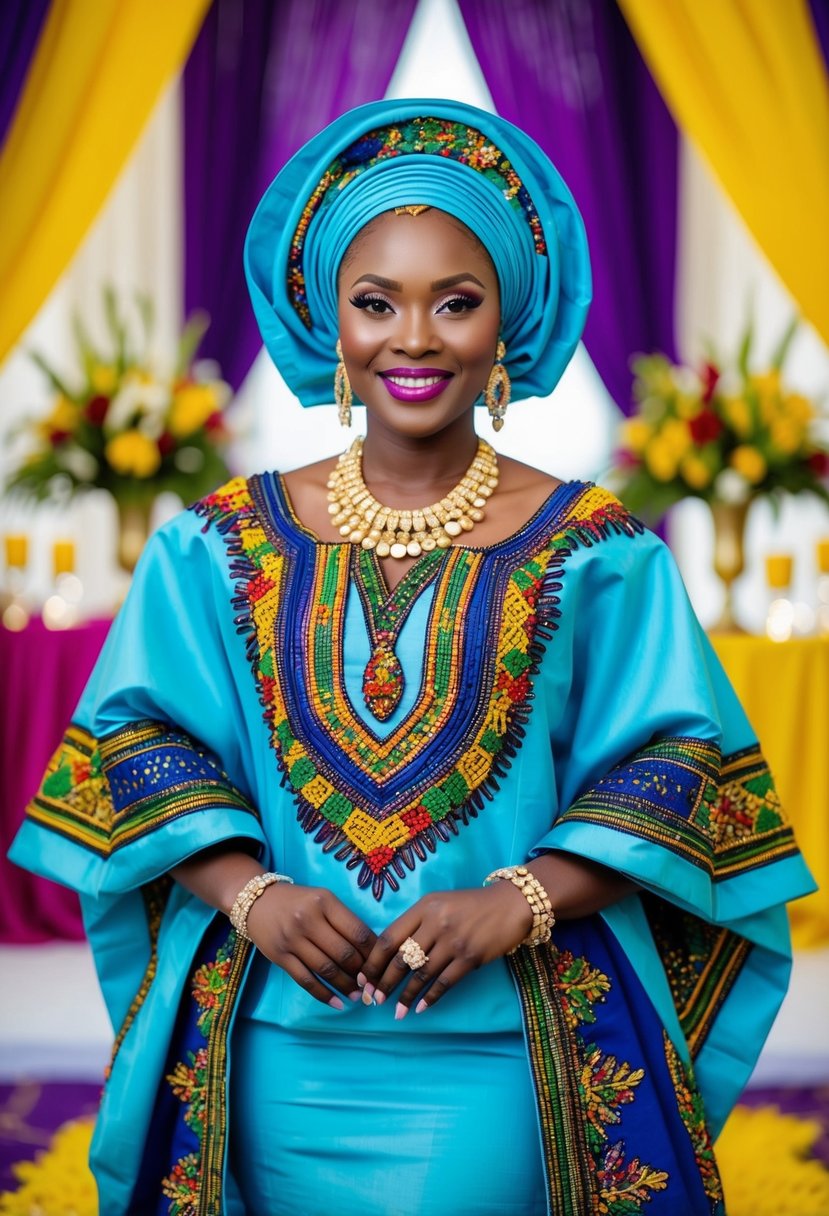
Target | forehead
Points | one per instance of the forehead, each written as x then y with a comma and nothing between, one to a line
427,241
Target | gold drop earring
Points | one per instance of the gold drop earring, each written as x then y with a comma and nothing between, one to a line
342,389
498,389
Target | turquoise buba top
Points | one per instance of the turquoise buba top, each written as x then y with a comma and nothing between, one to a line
553,691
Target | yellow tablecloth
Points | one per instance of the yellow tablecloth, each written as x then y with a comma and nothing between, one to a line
784,688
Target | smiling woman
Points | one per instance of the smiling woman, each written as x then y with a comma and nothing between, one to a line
468,820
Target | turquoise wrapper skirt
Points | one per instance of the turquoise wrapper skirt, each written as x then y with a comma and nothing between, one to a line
363,1125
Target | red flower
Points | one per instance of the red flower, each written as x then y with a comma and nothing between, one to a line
625,459
710,376
214,425
96,409
166,443
56,438
818,462
705,427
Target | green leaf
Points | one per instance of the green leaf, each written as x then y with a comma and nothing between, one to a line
744,352
782,349
192,334
57,382
117,328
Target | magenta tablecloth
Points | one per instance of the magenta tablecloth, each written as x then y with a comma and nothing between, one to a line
42,675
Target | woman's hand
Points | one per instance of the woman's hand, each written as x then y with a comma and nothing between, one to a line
308,932
458,930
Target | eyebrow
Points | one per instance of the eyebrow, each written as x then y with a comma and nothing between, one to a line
438,285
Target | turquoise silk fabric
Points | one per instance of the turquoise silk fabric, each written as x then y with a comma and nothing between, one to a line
554,692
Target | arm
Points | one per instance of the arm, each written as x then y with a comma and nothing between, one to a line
305,930
462,930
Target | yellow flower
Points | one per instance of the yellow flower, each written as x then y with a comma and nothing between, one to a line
64,415
767,388
635,434
676,435
192,406
103,379
737,413
797,407
749,462
687,406
661,460
787,435
133,454
696,472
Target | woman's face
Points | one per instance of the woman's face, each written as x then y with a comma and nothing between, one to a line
419,314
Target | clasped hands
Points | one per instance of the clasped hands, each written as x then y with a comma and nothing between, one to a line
313,936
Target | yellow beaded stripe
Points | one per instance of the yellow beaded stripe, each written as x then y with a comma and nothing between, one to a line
324,727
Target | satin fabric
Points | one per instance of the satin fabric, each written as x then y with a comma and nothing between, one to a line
544,297
628,663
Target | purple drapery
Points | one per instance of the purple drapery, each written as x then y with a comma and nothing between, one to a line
20,25
569,73
820,17
262,78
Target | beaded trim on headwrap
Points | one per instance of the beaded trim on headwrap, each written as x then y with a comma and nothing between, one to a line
431,137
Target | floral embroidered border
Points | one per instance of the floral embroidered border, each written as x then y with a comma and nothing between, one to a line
580,1089
194,1183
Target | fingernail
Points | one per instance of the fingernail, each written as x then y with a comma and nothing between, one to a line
400,1011
336,1003
361,980
379,997
368,995
355,996
420,1006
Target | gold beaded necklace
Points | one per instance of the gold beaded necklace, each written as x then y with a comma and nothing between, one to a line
408,531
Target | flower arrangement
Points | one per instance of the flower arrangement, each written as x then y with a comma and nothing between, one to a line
723,435
120,426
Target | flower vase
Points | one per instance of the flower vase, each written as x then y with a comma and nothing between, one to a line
729,556
133,530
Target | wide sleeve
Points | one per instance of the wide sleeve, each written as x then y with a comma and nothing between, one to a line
154,765
661,778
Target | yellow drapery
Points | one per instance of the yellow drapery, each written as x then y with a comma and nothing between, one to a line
98,70
746,82
784,689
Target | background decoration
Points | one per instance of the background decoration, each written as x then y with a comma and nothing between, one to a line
727,435
120,425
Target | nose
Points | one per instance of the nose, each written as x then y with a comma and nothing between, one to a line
415,334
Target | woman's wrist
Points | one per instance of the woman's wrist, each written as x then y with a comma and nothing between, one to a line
539,907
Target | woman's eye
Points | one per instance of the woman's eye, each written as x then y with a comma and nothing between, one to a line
373,304
459,304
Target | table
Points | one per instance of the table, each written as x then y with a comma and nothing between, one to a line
784,688
42,675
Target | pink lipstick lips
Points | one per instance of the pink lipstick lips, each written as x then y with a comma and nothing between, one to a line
415,383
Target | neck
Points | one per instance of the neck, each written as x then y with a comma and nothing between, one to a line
415,465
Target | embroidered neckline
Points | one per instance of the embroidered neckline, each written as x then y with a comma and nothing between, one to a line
382,804
385,612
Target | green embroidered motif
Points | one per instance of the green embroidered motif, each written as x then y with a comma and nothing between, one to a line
385,612
692,1113
580,1089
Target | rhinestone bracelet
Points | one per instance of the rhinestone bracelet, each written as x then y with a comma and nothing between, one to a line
248,896
543,916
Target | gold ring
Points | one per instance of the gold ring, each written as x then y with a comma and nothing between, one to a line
413,954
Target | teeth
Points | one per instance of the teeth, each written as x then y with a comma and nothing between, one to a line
415,381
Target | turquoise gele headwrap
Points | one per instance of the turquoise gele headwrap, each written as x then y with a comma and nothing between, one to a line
475,166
